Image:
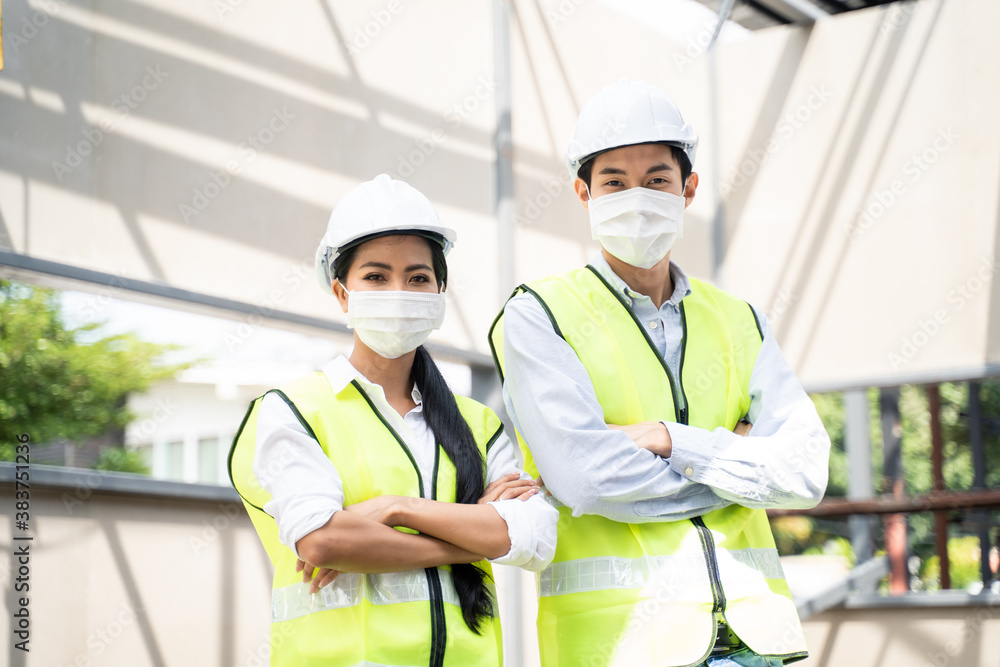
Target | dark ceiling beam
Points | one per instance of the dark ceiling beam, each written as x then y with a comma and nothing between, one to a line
757,7
793,11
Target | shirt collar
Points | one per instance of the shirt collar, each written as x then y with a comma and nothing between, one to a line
682,286
340,373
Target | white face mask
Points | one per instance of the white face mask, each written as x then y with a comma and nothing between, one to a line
638,225
394,323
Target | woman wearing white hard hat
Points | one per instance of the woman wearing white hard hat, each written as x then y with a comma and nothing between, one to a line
378,494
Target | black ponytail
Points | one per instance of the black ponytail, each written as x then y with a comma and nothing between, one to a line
452,433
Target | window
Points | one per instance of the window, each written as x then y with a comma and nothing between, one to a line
208,460
175,461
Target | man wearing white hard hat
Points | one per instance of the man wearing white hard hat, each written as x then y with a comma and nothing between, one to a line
377,493
632,388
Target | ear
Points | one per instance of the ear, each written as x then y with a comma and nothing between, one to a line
689,189
340,293
582,192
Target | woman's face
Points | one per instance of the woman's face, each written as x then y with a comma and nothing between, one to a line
396,263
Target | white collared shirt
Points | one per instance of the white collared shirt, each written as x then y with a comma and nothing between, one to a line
594,470
309,489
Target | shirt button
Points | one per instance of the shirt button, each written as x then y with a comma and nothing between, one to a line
652,325
688,471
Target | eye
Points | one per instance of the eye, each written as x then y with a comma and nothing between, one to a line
420,278
373,276
659,180
614,183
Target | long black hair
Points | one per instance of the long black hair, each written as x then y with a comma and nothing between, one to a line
452,434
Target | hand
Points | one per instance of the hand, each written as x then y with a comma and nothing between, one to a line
743,428
653,436
382,509
324,575
509,486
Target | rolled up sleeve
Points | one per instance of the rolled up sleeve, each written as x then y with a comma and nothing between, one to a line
305,487
531,524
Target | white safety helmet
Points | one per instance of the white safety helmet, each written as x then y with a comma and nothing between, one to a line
375,208
624,114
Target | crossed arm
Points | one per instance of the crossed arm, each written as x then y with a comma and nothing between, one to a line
307,503
650,472
361,538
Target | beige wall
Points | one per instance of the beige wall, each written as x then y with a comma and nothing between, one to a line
830,220
135,580
956,636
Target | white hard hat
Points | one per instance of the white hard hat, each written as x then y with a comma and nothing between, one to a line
624,114
377,207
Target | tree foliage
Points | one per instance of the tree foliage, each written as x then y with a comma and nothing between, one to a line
65,383
119,459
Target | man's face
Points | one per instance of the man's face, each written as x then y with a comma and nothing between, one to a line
640,166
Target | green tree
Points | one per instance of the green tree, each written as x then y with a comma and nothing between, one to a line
120,459
66,383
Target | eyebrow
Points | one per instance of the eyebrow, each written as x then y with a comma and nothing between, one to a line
386,267
663,166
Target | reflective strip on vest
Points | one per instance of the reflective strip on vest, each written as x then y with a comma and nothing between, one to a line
675,570
349,588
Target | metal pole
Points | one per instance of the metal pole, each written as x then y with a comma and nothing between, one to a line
937,465
718,219
894,524
504,145
859,483
513,636
979,479
941,500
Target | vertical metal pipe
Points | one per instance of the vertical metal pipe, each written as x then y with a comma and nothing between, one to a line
894,525
718,219
980,517
504,146
513,608
857,442
937,466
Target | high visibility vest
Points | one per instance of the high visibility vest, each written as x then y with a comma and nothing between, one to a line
399,618
653,593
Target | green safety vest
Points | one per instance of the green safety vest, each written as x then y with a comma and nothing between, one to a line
399,618
653,593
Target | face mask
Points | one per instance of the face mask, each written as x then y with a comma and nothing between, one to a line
394,323
638,225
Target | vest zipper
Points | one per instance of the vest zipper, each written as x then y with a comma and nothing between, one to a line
439,635
708,549
439,629
680,378
704,534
